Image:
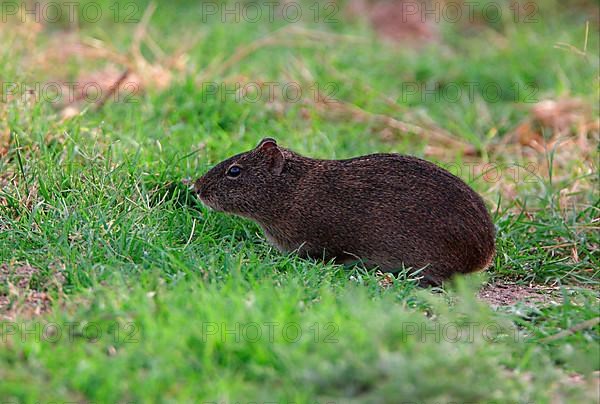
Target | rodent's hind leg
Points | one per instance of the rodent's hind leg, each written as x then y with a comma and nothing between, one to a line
426,276
426,281
322,254
349,259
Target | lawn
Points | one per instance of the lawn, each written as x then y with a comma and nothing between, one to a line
118,285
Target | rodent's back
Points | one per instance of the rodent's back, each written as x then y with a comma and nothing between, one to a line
390,207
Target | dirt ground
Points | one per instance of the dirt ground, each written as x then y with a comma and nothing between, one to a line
503,293
17,298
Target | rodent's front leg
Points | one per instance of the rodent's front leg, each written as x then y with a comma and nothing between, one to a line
280,239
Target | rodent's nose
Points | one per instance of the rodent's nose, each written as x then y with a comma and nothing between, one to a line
198,185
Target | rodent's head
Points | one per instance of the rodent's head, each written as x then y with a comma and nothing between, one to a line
245,184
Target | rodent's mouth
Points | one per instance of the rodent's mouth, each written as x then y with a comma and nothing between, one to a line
201,192
210,203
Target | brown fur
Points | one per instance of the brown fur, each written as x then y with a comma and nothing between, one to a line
385,210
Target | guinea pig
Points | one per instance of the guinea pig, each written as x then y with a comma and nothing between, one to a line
388,211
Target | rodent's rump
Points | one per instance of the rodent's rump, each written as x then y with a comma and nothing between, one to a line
385,210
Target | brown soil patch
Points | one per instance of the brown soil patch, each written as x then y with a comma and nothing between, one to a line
506,294
17,298
392,20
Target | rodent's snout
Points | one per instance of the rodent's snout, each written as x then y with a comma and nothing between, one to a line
199,186
204,189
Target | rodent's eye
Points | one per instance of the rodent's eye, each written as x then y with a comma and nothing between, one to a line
234,171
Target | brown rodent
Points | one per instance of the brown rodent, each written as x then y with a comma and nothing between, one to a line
384,210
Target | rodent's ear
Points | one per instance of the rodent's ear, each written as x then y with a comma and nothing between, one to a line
267,140
268,147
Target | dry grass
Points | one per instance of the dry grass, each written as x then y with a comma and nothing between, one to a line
127,73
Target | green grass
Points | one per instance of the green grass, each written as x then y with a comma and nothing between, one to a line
97,204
